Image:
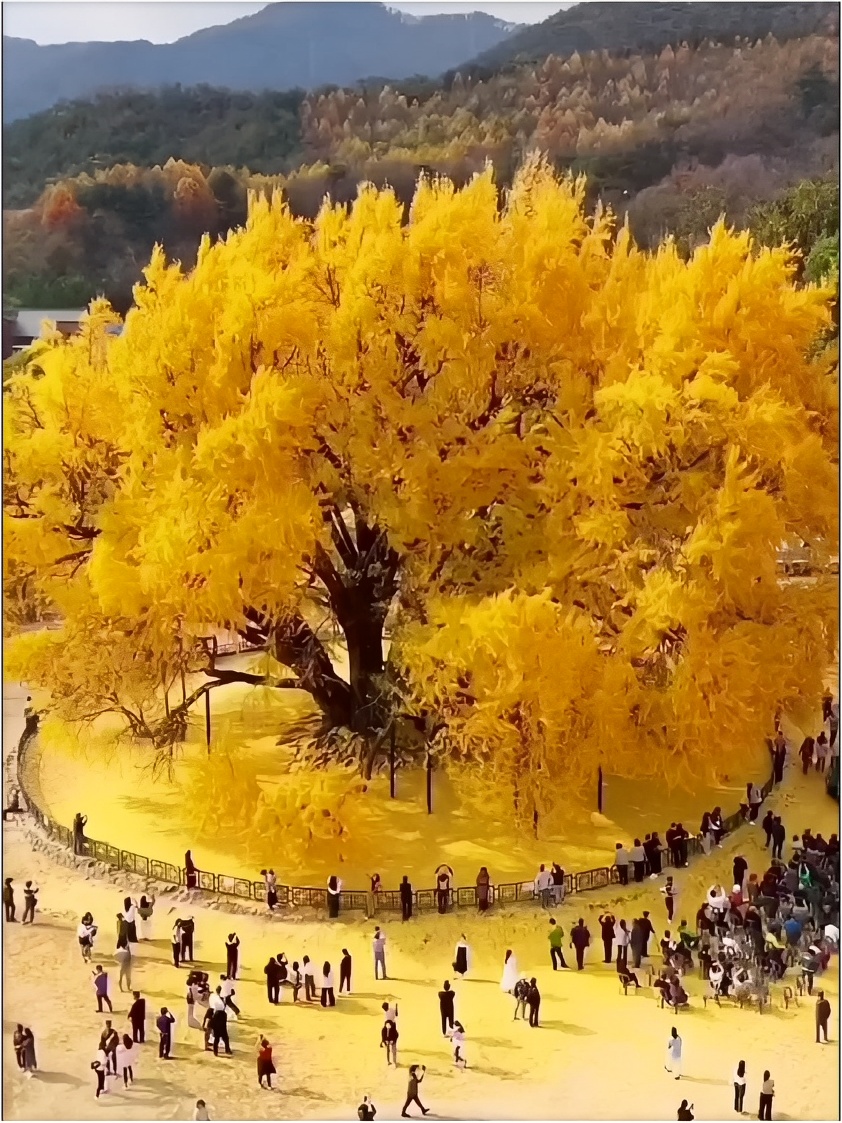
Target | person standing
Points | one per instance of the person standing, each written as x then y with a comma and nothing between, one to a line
621,861
673,1064
28,1048
533,1001
176,943
606,922
655,855
130,914
685,1112
9,901
328,997
738,870
510,975
648,930
30,898
461,961
543,886
295,980
416,1075
309,973
778,838
558,883
638,860
637,942
580,938
739,1087
200,1112
191,874
483,889
768,820
444,880
100,979
556,936
164,1022
822,1017
520,993
669,891
446,1003
273,981
378,945
389,1040
270,882
806,754
17,1043
108,1042
366,1111
125,1060
144,917
345,972
137,1018
265,1065
188,928
79,822
232,955
334,889
767,1094
621,935
406,898
219,1026
123,955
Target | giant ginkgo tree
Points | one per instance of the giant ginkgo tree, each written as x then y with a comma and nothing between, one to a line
560,468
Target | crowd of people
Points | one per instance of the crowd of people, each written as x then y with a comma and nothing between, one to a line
778,925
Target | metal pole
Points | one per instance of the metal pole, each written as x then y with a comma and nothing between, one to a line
429,783
392,762
599,790
166,695
207,719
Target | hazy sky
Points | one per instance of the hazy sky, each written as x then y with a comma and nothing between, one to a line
162,21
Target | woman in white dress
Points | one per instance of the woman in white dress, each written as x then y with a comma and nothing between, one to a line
510,973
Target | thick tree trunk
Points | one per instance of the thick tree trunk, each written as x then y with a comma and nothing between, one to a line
362,625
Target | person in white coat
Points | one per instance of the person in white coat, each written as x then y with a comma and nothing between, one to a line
126,1054
673,1064
510,973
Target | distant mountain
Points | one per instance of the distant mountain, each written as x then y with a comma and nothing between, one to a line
596,26
282,46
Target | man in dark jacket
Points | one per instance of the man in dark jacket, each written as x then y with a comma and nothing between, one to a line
406,898
648,931
164,1022
273,981
637,941
580,938
778,838
607,921
446,1001
533,1001
137,1017
822,1017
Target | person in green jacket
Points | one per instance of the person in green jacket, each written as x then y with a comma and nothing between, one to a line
556,936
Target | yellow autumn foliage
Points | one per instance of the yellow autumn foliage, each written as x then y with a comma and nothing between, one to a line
576,462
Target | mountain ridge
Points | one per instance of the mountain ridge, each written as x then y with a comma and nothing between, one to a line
283,46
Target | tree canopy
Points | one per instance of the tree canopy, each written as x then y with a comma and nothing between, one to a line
559,466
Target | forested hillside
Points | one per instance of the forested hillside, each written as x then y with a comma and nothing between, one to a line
672,139
651,27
